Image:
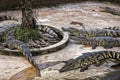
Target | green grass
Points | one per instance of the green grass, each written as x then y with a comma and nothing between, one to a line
26,34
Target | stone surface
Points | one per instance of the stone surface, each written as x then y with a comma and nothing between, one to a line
87,13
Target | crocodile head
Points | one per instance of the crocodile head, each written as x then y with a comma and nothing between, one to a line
71,64
106,9
72,31
78,38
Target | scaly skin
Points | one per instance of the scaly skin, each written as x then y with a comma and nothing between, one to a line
72,31
90,58
106,42
92,32
113,28
114,11
13,43
6,17
48,30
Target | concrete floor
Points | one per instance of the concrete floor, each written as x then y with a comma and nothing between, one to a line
87,13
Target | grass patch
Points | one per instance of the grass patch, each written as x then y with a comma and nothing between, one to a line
26,34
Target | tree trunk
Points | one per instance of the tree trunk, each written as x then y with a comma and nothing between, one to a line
28,20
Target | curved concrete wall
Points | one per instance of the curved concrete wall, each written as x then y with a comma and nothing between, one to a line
12,4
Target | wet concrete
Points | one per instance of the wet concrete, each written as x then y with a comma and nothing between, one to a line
87,13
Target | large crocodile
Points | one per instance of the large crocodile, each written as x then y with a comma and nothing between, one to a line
13,43
92,32
90,58
106,42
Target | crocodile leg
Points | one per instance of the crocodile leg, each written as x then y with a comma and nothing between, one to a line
108,44
94,45
84,68
100,63
116,65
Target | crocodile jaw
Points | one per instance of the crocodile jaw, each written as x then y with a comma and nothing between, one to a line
70,65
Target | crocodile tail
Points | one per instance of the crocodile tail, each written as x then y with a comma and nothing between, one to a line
13,43
115,33
48,30
6,17
27,53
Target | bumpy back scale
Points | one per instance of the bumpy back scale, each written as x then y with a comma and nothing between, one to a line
6,17
92,32
113,28
48,30
90,58
13,43
72,31
106,42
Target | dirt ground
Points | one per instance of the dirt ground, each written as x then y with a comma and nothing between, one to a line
87,13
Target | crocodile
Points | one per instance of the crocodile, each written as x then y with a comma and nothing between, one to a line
114,11
106,42
13,43
91,32
6,17
90,58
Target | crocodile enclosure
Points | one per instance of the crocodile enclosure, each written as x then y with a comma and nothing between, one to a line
83,14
